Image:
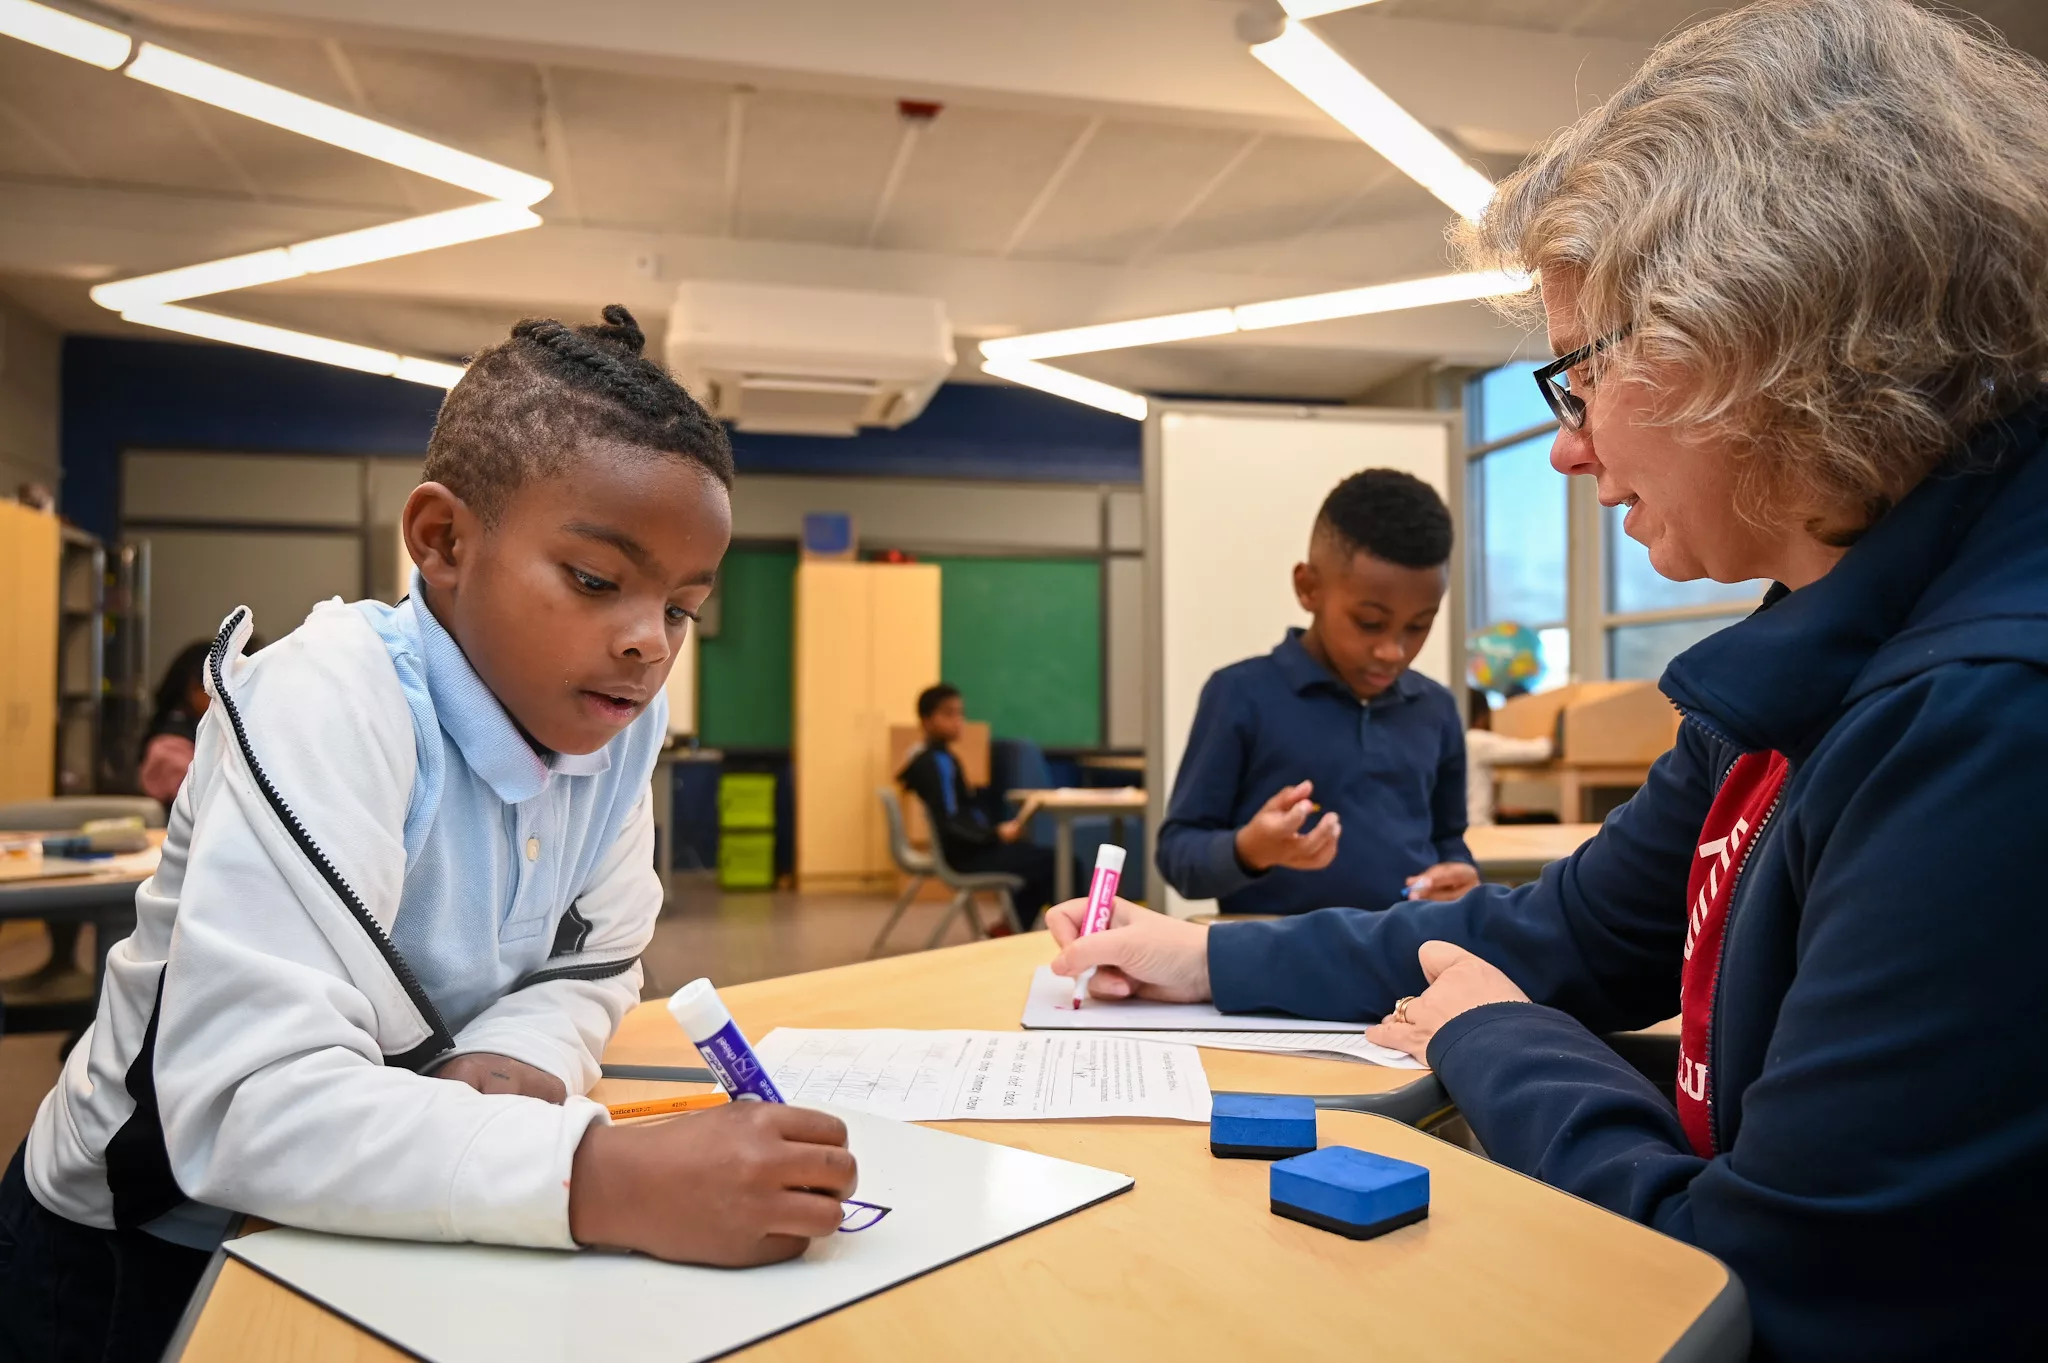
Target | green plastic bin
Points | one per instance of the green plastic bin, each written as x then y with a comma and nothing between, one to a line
746,800
746,860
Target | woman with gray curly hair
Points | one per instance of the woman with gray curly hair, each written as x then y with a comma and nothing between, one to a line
1796,277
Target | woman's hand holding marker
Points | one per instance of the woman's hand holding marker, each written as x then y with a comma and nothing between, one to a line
1273,837
1143,954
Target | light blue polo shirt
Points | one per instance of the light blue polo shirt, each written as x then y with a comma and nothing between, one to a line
499,839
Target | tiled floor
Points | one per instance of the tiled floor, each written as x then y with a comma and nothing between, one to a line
732,938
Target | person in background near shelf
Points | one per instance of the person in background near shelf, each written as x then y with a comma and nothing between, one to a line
1485,750
180,701
972,838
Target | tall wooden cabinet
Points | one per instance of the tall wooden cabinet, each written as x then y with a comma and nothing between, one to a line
867,641
28,652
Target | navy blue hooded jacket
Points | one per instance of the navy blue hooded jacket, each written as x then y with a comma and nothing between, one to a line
1878,1061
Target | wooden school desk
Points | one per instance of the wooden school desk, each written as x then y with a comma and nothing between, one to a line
1509,854
1189,1265
104,897
1065,805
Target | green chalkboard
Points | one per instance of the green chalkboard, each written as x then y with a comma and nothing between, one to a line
745,673
1022,639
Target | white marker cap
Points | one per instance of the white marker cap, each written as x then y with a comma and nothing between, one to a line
1109,857
697,1008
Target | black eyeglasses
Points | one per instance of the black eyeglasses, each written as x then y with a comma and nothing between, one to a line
1552,380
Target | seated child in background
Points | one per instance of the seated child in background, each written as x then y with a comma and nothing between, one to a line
404,893
967,822
180,701
1485,750
1332,717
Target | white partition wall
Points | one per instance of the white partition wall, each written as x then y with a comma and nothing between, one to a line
1231,491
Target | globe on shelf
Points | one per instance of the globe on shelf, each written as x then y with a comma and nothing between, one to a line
1503,658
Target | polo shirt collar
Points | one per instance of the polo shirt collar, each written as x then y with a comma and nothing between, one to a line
483,732
1304,674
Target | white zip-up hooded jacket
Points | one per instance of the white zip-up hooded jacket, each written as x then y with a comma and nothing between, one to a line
256,1043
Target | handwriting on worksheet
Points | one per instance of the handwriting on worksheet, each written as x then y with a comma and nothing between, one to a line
1016,1076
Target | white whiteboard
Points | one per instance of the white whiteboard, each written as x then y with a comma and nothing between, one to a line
1231,493
940,1197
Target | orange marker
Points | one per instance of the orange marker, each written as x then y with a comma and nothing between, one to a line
661,1107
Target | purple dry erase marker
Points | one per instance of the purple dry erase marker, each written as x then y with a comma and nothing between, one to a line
706,1021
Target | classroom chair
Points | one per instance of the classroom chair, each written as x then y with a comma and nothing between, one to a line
921,866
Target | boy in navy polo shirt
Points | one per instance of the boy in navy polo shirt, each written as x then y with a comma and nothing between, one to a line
1333,721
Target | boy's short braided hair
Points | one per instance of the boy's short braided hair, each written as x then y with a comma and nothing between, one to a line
533,402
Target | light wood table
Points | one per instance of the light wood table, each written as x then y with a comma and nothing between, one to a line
1512,853
1113,762
1073,802
1191,1264
103,896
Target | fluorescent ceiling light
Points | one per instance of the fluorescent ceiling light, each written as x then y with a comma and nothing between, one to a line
1280,312
301,345
1179,326
194,281
410,236
1073,387
392,239
1407,293
1314,68
210,84
1311,9
433,373
63,33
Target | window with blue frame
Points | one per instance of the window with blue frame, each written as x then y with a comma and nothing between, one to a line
1519,526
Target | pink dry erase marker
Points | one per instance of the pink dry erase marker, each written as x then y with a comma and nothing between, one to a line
1109,869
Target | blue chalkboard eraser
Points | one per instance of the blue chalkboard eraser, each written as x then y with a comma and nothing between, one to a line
1261,1125
1351,1192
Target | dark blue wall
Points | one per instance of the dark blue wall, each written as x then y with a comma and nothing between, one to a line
127,394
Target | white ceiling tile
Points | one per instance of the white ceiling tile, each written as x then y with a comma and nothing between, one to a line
814,165
1285,187
1133,180
973,177
645,151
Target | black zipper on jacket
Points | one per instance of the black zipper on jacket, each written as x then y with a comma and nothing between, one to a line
596,970
439,1040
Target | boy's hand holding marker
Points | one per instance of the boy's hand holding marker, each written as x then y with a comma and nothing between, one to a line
750,1182
1273,837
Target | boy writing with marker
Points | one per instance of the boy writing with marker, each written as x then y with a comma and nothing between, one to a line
1326,772
404,891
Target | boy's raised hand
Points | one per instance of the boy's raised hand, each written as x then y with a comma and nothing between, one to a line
739,1185
1140,953
1273,837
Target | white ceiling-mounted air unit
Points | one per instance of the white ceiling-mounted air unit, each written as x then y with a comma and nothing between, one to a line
807,361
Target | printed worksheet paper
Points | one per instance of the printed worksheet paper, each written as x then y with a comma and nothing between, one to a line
996,1076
